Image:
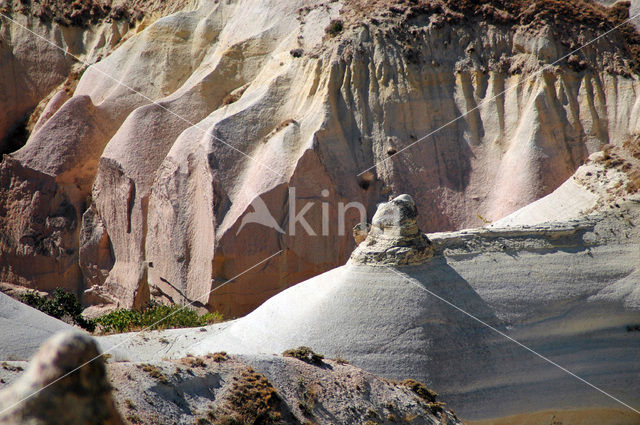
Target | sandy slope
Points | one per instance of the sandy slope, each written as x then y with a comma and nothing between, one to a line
568,290
23,329
567,417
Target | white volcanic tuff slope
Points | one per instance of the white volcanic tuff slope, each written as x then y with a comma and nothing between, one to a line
595,185
567,290
23,329
317,121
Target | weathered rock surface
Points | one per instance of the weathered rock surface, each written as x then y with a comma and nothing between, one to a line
45,186
394,237
598,184
209,389
52,391
256,98
568,290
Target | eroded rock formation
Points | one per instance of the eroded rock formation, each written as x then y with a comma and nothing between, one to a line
567,290
254,99
394,237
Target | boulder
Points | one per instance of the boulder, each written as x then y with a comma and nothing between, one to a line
66,383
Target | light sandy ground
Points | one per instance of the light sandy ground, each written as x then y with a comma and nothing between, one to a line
567,417
23,329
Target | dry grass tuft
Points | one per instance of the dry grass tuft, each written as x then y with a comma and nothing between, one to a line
218,357
155,372
420,390
193,361
252,400
305,354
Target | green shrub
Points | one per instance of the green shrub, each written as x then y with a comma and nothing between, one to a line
60,304
155,317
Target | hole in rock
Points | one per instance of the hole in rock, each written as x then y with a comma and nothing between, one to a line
16,137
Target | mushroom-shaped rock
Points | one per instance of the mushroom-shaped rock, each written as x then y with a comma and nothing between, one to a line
66,383
394,237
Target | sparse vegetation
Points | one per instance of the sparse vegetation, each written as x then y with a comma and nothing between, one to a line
307,397
193,361
155,372
634,182
79,13
296,53
252,400
234,96
62,305
11,368
569,21
334,28
231,98
372,414
155,317
425,394
218,357
305,354
420,390
484,220
134,419
340,360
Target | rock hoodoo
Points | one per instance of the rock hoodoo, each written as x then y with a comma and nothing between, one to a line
394,237
82,398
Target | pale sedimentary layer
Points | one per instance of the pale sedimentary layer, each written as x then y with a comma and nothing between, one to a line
568,290
24,329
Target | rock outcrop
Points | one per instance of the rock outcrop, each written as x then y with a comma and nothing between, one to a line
394,237
567,290
289,111
213,389
53,392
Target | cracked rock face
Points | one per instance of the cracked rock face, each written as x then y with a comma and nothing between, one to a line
44,395
394,238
